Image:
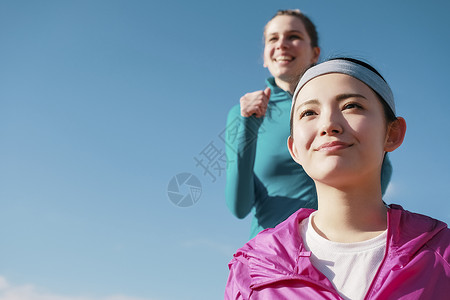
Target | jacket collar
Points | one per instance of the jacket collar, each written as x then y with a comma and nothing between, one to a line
277,94
408,232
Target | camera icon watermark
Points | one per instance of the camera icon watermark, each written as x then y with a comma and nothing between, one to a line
184,190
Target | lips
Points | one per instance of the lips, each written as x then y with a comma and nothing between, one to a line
284,58
333,146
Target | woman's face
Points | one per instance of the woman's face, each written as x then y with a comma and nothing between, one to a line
339,130
288,52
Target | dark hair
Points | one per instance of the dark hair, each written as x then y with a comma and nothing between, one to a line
309,25
388,113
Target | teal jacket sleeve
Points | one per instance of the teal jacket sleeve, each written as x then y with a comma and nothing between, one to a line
241,136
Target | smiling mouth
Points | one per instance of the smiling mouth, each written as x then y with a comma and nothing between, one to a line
333,146
284,58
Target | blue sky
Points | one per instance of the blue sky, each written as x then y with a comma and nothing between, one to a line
103,103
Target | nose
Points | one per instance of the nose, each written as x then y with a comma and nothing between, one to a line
282,42
331,125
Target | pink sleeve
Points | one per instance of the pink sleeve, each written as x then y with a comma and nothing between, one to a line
238,284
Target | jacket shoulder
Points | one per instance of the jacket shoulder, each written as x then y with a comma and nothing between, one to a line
239,280
440,244
277,246
416,231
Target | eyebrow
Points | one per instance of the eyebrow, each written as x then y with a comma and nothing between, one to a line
339,98
349,95
309,102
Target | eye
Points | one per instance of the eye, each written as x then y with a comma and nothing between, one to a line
295,37
352,105
307,113
272,39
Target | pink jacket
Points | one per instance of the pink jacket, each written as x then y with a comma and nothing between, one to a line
275,265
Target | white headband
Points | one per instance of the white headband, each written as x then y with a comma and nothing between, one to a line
355,70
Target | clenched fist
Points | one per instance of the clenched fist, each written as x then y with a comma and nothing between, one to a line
255,103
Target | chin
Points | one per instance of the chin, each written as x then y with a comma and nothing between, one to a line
334,175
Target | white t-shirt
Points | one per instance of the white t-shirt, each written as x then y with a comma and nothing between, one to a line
350,267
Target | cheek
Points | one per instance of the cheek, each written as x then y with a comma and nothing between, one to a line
304,49
303,137
372,132
267,52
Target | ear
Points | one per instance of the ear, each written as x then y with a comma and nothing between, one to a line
316,53
395,134
293,150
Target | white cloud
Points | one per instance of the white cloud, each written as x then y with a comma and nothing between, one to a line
3,283
30,292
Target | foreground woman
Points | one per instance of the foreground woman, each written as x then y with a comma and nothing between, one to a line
353,246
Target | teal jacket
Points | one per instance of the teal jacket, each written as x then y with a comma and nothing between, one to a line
262,178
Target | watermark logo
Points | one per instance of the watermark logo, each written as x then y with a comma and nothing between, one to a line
234,129
184,190
212,160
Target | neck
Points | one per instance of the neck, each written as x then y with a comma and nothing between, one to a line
349,215
287,85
